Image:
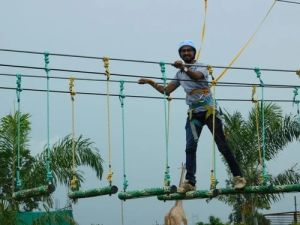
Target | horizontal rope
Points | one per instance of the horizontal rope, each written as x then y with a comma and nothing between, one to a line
142,61
138,96
288,1
221,84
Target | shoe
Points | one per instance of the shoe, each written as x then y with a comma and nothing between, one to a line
185,187
239,182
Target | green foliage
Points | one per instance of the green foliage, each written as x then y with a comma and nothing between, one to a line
242,136
34,166
213,221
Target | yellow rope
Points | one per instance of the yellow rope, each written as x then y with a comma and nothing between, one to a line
107,73
74,181
246,45
203,32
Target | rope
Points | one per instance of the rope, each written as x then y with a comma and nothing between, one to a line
18,90
48,160
298,73
203,32
255,101
213,174
295,101
74,182
121,98
107,73
264,173
247,44
167,176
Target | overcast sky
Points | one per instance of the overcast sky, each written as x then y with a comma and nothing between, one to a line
144,30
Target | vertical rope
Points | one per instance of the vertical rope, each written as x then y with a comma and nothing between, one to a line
295,92
48,160
167,169
247,43
121,98
74,182
18,90
213,174
263,133
203,32
255,101
107,73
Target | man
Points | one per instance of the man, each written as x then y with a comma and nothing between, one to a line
193,77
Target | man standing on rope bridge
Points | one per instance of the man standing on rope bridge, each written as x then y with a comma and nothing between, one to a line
194,80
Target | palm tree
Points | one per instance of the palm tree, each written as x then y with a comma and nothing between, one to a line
34,166
242,136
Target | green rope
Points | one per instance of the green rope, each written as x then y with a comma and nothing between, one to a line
167,177
121,98
18,179
264,173
48,162
295,91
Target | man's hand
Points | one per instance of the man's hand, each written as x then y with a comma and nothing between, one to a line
178,64
143,81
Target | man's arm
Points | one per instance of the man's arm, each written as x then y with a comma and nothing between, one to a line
195,75
160,88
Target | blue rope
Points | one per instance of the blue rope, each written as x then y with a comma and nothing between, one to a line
18,90
167,176
48,162
264,173
121,98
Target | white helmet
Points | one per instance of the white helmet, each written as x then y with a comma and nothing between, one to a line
186,43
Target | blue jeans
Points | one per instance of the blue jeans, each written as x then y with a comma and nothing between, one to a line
193,129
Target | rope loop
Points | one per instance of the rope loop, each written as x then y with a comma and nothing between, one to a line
106,66
72,88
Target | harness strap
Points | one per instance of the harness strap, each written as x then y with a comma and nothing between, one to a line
204,91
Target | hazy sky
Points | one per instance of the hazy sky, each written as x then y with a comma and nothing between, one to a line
145,30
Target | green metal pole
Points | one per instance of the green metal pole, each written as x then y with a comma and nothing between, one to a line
271,189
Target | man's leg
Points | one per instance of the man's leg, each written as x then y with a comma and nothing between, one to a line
223,146
193,129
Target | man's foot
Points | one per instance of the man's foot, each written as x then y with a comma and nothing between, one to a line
239,182
185,187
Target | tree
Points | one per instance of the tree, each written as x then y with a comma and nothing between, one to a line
242,137
34,166
213,221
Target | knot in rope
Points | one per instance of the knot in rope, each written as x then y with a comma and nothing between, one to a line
167,179
258,75
169,98
19,89
72,88
121,95
210,69
295,91
74,184
254,99
47,61
213,83
298,73
109,176
162,67
125,183
213,181
106,66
